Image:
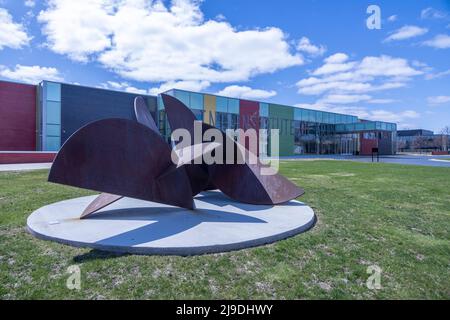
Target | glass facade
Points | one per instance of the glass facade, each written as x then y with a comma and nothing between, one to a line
302,131
49,94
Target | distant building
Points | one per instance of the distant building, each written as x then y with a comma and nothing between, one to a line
420,140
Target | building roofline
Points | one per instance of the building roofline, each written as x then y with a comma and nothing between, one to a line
196,92
98,88
18,82
278,104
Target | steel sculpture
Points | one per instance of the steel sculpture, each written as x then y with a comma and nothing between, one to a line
126,158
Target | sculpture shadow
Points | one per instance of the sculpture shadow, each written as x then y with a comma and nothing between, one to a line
161,223
221,200
96,254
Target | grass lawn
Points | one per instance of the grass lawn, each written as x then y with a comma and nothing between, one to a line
393,216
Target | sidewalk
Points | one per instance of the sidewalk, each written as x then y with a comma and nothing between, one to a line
24,166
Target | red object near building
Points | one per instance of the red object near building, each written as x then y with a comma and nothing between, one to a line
440,153
249,119
26,157
368,141
18,117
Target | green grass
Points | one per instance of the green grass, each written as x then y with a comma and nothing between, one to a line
393,216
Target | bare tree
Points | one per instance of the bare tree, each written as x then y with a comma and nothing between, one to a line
445,135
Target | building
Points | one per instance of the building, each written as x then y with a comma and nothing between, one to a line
17,117
420,140
43,117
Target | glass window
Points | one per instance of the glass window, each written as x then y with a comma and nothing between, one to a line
160,103
233,106
196,101
52,143
233,121
312,116
378,125
318,116
304,115
53,112
183,96
264,110
222,104
297,114
53,91
198,114
332,118
53,130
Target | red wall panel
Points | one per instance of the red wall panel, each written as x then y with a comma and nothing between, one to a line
367,145
249,118
17,117
26,157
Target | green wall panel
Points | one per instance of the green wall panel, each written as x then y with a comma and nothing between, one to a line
281,118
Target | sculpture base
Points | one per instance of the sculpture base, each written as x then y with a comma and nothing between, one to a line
133,226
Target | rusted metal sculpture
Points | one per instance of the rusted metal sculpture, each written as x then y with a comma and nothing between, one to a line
125,158
241,182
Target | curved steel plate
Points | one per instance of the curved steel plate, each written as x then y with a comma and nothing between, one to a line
102,201
122,157
143,115
242,182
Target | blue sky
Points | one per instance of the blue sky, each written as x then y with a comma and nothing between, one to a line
314,54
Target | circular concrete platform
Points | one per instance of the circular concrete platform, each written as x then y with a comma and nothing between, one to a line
140,227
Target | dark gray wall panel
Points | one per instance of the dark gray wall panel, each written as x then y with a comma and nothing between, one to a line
82,105
385,144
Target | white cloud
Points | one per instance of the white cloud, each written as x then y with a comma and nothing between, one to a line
338,75
441,41
330,68
122,86
382,101
389,116
221,17
30,3
392,18
437,75
352,98
245,92
386,66
158,42
344,98
334,63
406,32
337,58
30,74
438,100
306,46
350,91
183,85
12,35
431,13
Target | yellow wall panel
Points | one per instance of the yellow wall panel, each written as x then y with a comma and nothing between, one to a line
210,109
